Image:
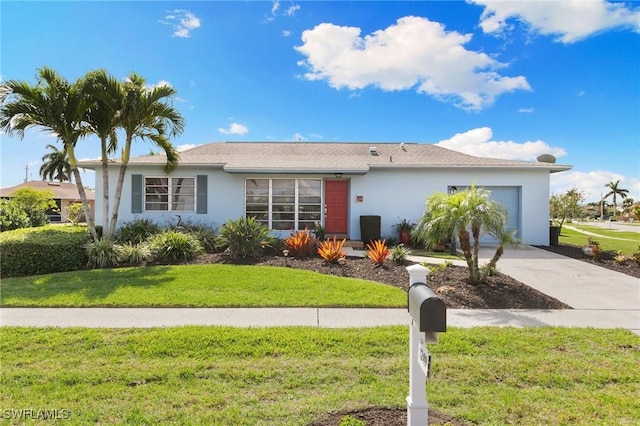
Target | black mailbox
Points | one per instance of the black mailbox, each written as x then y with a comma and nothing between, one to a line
427,310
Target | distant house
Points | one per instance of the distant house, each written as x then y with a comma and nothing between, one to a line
65,194
292,186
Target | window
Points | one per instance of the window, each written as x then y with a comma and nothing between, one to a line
169,194
284,204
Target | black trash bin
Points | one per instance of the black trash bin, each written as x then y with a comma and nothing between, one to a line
554,234
369,228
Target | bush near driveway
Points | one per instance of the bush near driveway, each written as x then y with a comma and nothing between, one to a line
43,250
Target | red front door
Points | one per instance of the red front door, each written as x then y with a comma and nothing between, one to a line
336,200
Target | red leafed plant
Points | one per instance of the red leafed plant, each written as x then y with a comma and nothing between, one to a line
300,243
378,251
331,250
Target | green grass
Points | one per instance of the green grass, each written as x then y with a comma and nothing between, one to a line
575,238
291,376
196,286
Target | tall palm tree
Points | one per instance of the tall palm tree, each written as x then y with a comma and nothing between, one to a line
469,214
146,115
103,121
52,104
615,190
55,165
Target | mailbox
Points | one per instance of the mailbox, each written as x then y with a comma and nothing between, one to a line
427,310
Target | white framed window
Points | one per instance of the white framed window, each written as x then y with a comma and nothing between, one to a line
170,194
284,204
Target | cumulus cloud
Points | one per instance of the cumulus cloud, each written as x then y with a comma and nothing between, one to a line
479,142
182,21
234,129
568,20
593,184
415,53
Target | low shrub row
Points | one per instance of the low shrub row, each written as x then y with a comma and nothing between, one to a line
43,250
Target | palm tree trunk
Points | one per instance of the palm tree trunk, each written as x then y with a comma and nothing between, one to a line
83,195
106,231
492,264
118,195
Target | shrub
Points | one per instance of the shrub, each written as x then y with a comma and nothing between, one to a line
75,213
172,246
12,216
300,243
244,237
207,235
399,254
596,251
43,250
133,254
619,256
101,253
331,250
35,203
136,231
377,251
636,256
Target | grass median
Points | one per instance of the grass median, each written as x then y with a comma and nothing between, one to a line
210,285
291,376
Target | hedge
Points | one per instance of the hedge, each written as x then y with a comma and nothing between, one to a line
43,250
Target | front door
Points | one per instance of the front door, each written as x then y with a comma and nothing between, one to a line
336,209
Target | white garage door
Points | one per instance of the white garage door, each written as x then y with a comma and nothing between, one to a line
509,196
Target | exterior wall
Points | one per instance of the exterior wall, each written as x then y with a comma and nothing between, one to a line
392,194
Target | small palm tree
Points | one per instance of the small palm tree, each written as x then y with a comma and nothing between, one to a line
469,214
55,165
615,191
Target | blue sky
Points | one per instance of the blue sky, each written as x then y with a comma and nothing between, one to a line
496,79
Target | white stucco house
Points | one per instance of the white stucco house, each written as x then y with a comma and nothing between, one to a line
293,185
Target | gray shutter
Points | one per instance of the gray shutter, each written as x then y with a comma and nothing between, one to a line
201,196
136,193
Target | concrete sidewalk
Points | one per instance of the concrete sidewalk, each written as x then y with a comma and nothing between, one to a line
308,317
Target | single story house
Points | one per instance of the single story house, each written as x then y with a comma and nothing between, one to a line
64,194
294,185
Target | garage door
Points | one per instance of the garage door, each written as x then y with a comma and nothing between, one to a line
508,196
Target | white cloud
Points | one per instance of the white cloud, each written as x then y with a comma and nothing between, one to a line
275,5
292,10
593,184
185,147
234,129
286,33
569,20
182,21
415,53
297,137
478,142
526,110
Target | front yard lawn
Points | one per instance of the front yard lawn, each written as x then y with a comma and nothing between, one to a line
295,375
212,285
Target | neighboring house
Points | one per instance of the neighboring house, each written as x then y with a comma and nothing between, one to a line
294,185
64,194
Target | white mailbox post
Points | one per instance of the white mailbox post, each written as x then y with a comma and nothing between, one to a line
428,318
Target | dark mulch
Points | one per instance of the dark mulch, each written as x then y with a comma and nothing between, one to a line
386,417
607,260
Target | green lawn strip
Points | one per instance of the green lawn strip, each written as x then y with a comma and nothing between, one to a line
196,286
291,376
575,238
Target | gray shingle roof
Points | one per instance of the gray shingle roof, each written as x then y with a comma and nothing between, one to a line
62,190
326,157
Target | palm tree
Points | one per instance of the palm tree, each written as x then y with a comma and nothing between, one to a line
468,214
615,190
103,120
55,165
52,104
146,115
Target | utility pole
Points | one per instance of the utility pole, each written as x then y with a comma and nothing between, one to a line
26,173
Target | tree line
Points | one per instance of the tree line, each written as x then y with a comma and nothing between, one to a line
95,104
